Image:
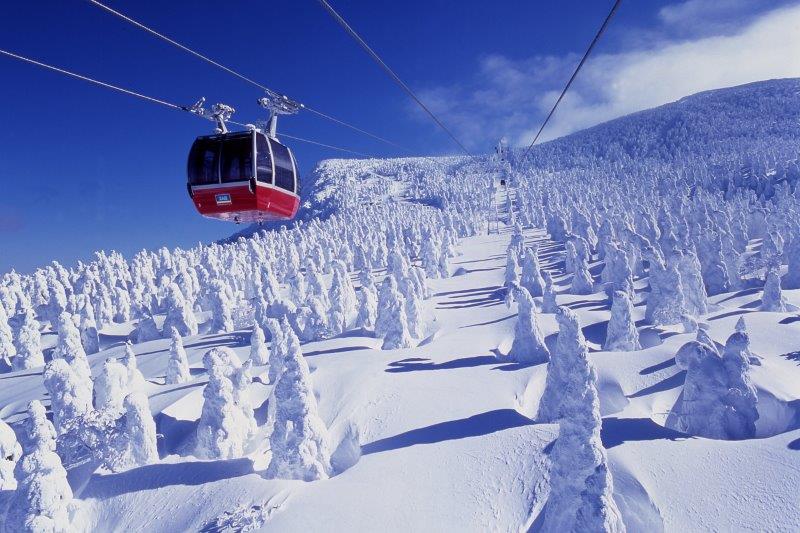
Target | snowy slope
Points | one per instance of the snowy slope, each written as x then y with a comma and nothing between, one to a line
447,429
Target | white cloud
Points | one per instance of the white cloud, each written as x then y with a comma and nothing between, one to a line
510,97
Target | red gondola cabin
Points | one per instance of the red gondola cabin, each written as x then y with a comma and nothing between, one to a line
243,176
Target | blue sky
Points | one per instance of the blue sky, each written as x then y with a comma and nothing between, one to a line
83,168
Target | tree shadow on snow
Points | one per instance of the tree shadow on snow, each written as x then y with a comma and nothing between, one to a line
671,382
464,362
792,356
739,294
490,322
729,314
342,349
465,292
794,445
655,368
596,333
616,431
158,476
474,426
789,320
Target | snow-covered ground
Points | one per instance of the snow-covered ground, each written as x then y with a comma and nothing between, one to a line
443,435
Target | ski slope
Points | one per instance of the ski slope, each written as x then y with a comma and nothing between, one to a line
443,436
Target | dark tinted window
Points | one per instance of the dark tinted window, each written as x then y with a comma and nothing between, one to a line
284,169
204,162
263,160
237,159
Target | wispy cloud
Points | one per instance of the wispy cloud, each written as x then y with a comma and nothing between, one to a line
510,97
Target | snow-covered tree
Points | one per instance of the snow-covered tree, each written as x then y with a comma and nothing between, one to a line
569,352
28,343
70,399
549,304
511,276
139,431
111,387
10,452
43,495
7,349
179,313
531,276
147,330
367,308
665,303
136,381
90,338
582,282
178,363
227,421
718,400
391,323
259,351
281,337
772,298
222,427
219,298
622,334
299,441
528,345
581,487
70,348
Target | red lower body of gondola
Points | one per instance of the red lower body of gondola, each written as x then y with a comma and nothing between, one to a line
240,204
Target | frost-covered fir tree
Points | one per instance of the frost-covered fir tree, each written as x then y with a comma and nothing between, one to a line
111,387
139,431
718,399
43,495
692,285
665,303
28,343
549,304
299,441
178,363
531,272
179,313
10,452
70,399
281,337
146,330
772,297
582,282
7,349
367,308
391,323
413,305
222,429
581,487
569,351
792,278
528,345
90,338
136,381
511,276
338,314
219,299
622,334
742,396
259,351
70,348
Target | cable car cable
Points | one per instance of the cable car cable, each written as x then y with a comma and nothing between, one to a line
343,23
575,74
237,74
91,80
153,99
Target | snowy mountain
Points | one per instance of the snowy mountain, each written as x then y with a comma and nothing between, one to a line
607,342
